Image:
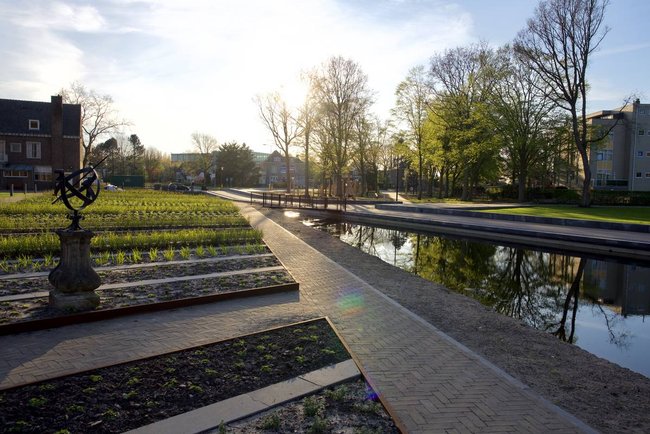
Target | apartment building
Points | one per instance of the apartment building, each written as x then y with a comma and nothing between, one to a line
622,160
37,138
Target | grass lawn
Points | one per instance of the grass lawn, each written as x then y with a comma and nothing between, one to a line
607,213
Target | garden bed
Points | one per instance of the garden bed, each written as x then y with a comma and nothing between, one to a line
129,395
35,314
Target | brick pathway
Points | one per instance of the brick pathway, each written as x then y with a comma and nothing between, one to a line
431,383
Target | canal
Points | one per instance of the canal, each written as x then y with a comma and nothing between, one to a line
599,304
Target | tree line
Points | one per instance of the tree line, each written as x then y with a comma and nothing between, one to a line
475,115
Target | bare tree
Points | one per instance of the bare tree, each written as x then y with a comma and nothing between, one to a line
206,146
411,107
341,89
282,124
306,122
557,43
98,116
153,161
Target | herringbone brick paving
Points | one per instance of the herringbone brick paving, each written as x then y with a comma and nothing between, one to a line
431,383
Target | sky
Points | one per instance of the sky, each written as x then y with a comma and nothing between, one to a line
174,67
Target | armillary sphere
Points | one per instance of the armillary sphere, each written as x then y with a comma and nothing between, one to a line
77,190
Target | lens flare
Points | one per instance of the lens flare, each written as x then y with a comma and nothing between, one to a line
350,301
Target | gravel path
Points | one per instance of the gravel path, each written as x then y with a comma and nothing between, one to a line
604,395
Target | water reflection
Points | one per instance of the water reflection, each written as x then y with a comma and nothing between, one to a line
598,305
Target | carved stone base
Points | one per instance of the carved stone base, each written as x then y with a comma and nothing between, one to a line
73,301
74,279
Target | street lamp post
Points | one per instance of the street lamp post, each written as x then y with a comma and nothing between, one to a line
397,180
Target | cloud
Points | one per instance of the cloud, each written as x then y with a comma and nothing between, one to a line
56,15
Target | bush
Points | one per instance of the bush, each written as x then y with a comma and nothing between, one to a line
631,198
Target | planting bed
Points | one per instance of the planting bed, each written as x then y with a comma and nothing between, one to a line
20,285
347,408
125,396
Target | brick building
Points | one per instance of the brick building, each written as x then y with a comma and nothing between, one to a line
37,138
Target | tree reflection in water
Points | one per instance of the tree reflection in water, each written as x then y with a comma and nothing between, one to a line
543,290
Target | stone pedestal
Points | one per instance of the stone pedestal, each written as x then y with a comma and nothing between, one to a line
74,279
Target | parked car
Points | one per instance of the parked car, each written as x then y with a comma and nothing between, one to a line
111,187
174,186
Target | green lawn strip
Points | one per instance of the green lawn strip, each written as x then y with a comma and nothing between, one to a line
638,215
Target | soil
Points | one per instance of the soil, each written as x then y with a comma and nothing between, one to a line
604,395
126,396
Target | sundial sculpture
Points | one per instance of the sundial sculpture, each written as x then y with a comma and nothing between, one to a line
74,279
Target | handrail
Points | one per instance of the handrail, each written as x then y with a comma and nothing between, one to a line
283,200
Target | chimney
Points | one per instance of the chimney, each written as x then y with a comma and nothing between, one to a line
57,132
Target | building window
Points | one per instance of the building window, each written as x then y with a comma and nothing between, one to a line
15,147
15,173
639,153
33,150
638,174
42,176
641,132
34,124
647,174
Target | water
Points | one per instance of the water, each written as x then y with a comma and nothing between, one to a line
599,305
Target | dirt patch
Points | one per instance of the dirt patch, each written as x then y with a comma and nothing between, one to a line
602,394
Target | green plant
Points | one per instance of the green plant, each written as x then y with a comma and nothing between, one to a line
266,368
110,414
268,357
328,351
172,383
212,251
62,431
311,406
37,402
153,254
240,343
95,378
89,390
211,372
48,260
136,256
46,387
318,426
24,262
239,364
367,407
120,257
271,422
185,252
260,348
169,254
301,359
200,251
130,394
133,381
338,394
195,388
75,408
222,428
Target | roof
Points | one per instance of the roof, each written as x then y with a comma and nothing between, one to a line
15,116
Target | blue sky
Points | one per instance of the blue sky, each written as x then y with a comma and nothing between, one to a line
175,67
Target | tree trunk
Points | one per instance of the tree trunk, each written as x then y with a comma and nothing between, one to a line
287,159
